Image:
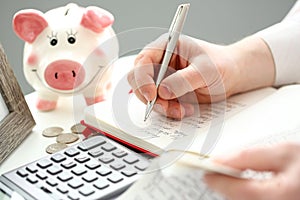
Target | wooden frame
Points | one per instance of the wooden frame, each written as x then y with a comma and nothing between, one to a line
18,123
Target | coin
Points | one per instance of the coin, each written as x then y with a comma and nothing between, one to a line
77,128
52,131
55,147
67,138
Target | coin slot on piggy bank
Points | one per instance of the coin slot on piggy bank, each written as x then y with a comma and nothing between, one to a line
68,50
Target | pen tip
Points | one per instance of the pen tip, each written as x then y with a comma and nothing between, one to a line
145,118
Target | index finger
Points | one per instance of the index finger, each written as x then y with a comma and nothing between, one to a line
141,77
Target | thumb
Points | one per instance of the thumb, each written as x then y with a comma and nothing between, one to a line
178,84
258,158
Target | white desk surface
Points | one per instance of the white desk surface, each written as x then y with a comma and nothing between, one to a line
69,111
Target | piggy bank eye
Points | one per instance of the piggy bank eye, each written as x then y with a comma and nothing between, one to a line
71,36
53,41
71,39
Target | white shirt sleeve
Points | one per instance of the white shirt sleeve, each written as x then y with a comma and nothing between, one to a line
283,40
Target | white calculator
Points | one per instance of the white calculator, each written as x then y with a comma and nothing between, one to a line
96,168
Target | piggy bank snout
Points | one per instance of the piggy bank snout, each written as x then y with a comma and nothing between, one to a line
64,74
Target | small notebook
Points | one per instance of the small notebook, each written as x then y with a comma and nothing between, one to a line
122,119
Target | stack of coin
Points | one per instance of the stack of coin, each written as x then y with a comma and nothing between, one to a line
62,139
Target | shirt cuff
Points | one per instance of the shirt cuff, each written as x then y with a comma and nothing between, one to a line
283,40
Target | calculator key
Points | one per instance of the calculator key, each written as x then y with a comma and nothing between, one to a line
141,166
108,147
68,164
73,195
79,170
82,159
89,177
53,170
72,152
44,163
65,176
101,184
117,165
115,178
32,168
86,190
106,159
22,172
104,171
75,183
52,182
91,143
41,175
58,157
62,189
32,179
128,173
96,152
119,153
130,159
92,164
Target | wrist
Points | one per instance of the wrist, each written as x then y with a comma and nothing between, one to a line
255,64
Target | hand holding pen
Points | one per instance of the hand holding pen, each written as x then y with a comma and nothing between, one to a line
202,73
174,33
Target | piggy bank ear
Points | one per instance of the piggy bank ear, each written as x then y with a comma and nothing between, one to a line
28,24
96,19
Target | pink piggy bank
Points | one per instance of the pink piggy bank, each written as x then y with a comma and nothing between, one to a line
67,50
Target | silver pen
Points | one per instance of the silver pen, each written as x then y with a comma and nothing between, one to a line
174,33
